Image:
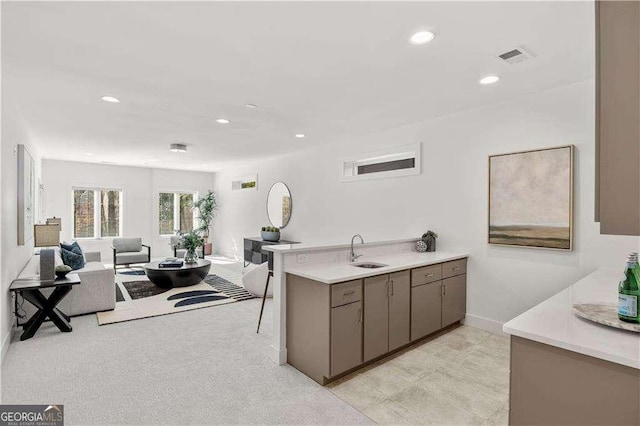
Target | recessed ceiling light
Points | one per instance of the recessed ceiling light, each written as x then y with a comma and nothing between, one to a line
300,135
252,106
204,165
88,153
490,79
111,99
222,121
421,37
178,147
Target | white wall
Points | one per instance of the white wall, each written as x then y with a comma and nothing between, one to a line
449,197
14,257
140,188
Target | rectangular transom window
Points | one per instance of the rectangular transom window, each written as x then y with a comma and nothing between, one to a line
175,212
392,162
97,213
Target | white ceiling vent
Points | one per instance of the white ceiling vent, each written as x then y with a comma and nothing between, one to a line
516,55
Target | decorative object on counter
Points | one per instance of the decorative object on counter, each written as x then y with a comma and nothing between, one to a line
429,239
604,314
270,233
191,241
279,205
62,270
531,198
421,246
206,207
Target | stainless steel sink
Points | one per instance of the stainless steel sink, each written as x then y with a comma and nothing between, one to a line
369,265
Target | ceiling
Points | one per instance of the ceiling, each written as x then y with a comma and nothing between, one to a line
331,70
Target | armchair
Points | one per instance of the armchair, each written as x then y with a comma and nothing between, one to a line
127,251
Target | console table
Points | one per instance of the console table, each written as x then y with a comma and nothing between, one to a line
253,251
30,289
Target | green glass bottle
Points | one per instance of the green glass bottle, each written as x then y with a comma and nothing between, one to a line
629,292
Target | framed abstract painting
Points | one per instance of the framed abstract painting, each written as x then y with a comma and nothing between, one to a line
531,198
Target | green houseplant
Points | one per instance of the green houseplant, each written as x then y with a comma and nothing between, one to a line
190,242
206,208
270,233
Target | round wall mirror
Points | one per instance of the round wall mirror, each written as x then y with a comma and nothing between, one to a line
279,205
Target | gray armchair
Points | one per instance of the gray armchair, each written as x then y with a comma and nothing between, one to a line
127,251
178,251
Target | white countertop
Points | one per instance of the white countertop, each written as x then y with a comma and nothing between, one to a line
553,322
331,273
291,248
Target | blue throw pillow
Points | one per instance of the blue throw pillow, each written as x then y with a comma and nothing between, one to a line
72,259
74,247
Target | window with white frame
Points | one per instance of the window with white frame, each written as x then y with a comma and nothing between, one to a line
97,213
391,162
175,212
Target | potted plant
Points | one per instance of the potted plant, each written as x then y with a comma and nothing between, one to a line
270,233
206,207
190,242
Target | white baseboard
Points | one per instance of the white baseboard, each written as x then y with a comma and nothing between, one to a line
5,346
486,324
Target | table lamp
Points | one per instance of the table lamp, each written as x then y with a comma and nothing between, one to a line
55,221
47,236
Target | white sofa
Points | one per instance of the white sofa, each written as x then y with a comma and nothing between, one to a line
96,293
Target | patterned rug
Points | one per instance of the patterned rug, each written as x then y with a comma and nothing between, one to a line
142,299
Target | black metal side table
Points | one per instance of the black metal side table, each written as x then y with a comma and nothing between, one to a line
30,289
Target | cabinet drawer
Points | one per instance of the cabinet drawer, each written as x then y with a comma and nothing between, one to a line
457,267
344,293
427,274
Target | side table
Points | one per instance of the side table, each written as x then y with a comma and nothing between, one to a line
30,289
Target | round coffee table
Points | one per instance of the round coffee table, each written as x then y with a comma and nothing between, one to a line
186,275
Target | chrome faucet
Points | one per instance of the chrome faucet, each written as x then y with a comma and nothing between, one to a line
354,256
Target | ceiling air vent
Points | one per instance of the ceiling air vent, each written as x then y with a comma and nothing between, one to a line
515,55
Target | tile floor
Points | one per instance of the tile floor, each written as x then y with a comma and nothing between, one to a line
460,377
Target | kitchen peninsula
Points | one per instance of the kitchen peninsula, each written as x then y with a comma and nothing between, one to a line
394,269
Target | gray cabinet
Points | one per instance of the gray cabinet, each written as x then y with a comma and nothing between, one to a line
335,328
617,202
454,299
346,337
387,317
376,317
399,309
426,309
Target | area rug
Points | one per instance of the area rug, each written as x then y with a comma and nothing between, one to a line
142,299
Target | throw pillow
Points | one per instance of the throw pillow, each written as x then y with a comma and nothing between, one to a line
74,247
72,259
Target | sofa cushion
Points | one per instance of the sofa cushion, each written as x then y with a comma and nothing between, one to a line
124,245
131,257
72,259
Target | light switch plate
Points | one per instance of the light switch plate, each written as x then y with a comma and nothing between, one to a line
303,257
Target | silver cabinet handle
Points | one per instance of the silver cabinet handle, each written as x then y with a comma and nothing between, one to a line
348,293
444,289
457,268
359,315
429,275
391,286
